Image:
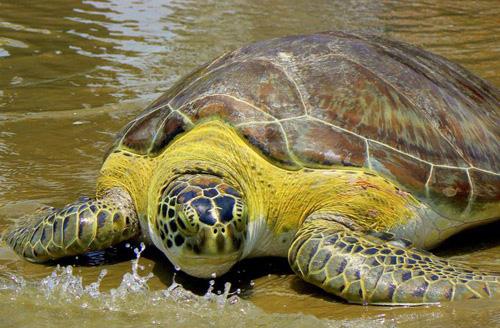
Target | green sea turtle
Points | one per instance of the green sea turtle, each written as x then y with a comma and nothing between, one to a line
347,153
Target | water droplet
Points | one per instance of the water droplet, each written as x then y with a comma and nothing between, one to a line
16,80
177,268
80,122
127,245
213,275
103,273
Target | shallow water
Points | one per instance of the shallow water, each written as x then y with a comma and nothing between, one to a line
73,72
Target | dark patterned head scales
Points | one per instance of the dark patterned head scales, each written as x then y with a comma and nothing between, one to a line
342,99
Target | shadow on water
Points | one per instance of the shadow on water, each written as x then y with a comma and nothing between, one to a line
471,240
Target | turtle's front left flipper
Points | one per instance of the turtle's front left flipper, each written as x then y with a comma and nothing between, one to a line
85,225
368,268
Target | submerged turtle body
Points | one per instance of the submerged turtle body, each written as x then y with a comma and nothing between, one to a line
327,148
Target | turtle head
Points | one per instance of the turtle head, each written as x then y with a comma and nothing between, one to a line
201,224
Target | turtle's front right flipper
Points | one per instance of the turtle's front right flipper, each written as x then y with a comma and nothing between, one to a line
369,268
83,226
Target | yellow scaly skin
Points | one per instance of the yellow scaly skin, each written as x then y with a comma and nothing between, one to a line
83,226
296,214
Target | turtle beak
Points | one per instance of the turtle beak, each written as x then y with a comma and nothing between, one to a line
208,266
213,250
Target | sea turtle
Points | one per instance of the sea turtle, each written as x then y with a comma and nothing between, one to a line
348,153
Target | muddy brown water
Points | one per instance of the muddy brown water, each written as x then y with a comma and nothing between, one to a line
73,72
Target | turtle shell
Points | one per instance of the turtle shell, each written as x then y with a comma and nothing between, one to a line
340,99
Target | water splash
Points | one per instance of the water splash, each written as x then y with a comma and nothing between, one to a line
63,286
64,292
62,299
12,282
133,282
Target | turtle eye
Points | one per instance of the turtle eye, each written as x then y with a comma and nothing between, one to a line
186,220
